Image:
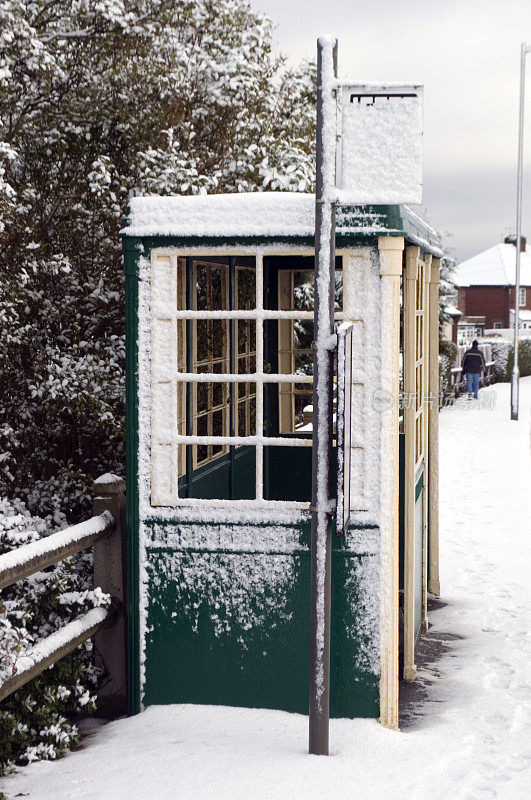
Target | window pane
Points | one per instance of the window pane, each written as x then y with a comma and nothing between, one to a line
202,340
302,334
201,287
303,411
246,288
243,341
217,289
303,290
201,453
303,363
246,421
218,337
252,411
338,294
218,427
202,397
242,419
219,391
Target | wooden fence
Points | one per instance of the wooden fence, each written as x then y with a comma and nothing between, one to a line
105,532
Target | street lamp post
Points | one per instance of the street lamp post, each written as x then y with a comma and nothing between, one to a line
515,377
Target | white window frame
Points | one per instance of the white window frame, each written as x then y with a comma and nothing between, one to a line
173,315
521,296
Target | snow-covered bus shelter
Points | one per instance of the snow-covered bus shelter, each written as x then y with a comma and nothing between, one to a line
219,401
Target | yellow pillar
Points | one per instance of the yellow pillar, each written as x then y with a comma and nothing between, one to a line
409,333
434,585
425,423
391,249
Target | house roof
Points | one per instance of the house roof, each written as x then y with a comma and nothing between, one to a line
267,216
494,267
453,311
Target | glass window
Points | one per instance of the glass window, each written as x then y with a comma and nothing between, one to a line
234,376
296,293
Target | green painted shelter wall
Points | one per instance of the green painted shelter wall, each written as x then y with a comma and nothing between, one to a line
232,628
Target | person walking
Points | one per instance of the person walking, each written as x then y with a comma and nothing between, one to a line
472,365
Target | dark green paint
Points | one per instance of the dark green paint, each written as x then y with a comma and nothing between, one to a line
265,666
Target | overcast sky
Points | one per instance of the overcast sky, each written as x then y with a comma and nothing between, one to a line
467,55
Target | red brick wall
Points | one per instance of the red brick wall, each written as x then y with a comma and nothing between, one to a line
492,302
527,298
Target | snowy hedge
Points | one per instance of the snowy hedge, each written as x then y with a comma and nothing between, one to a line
524,359
503,357
447,354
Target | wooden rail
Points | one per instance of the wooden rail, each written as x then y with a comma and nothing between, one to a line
30,558
56,646
109,511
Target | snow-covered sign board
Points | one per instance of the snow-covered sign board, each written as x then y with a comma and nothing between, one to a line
379,157
344,401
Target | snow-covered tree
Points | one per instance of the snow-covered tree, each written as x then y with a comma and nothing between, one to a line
98,100
447,290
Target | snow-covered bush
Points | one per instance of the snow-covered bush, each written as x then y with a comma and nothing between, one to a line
97,101
524,359
36,721
447,288
501,349
447,354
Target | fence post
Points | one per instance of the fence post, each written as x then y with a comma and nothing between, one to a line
109,573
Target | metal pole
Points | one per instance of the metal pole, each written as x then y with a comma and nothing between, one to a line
515,377
321,542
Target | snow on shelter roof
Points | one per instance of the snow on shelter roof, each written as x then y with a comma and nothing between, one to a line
266,215
494,267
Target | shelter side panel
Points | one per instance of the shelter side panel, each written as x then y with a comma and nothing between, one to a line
229,624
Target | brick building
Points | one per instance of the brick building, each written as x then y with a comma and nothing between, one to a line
485,285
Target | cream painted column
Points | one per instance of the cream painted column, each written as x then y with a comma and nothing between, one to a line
409,300
433,431
425,423
391,249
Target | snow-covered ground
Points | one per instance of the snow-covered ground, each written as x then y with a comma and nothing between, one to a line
471,739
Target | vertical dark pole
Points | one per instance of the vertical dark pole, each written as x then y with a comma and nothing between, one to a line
321,543
515,376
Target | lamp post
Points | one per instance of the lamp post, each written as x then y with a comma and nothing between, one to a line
515,377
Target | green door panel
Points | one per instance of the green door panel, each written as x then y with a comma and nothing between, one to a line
232,628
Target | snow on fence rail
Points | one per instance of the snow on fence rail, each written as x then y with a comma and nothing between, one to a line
56,646
30,558
109,508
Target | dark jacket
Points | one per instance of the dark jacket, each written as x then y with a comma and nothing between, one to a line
473,362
